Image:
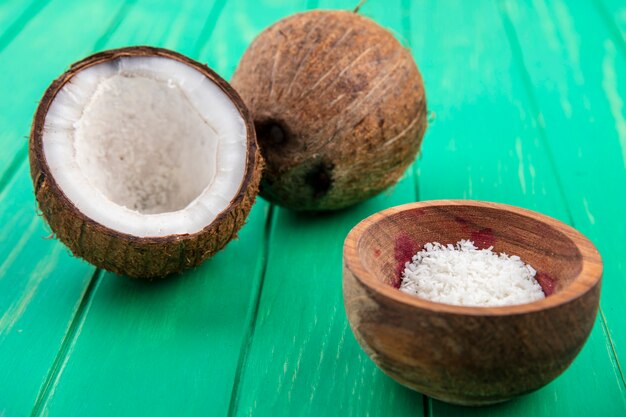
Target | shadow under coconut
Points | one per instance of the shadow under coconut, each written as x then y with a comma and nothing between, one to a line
358,211
209,300
203,299
522,405
302,305
181,329
319,235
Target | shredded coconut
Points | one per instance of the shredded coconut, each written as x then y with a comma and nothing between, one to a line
462,274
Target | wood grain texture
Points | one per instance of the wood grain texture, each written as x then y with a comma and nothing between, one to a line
14,16
613,13
470,355
72,30
41,287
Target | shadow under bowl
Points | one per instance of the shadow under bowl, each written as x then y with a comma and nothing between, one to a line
470,355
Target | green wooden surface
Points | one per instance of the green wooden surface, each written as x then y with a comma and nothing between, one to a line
527,102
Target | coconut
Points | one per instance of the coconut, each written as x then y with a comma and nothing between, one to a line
144,162
338,105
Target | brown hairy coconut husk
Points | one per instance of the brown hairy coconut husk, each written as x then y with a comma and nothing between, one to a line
144,162
338,105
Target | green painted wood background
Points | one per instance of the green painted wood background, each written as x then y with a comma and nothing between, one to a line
527,107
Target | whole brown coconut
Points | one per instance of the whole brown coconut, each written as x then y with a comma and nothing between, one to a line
339,108
131,168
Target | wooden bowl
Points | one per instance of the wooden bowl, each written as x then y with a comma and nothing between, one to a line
470,355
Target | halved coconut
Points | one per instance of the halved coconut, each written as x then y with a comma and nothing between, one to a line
144,162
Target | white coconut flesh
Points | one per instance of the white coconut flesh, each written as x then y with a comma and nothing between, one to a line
147,146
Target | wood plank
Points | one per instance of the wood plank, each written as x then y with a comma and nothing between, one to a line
41,286
241,22
40,290
578,76
613,12
14,16
487,143
171,347
303,359
31,61
178,340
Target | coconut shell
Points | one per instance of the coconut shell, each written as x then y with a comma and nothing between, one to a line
138,257
339,107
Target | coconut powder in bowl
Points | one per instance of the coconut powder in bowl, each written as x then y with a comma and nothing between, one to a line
464,275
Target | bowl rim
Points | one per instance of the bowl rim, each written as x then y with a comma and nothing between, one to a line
589,276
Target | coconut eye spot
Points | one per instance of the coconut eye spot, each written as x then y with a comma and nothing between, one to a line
148,146
270,133
141,143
